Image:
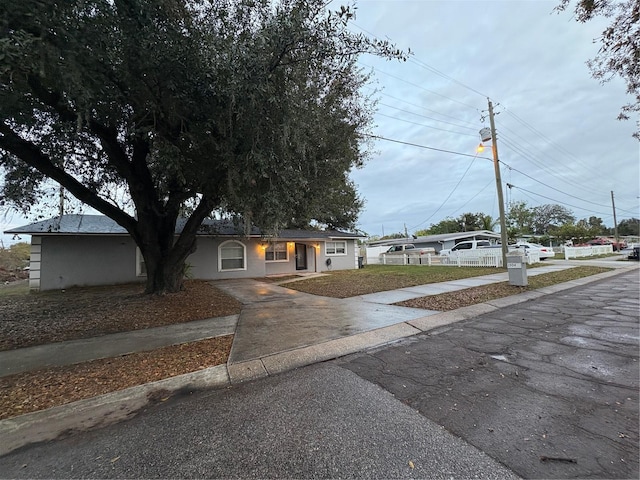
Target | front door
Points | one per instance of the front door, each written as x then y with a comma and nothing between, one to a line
301,256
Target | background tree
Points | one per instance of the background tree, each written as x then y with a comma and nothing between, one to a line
579,232
619,52
629,227
596,225
466,222
448,225
15,257
547,217
519,219
471,221
251,108
488,222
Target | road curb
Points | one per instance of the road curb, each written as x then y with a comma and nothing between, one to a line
100,411
110,408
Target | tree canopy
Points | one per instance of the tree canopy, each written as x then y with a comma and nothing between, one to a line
619,52
250,108
466,222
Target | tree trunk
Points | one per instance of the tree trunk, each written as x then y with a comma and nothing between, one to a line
164,276
164,255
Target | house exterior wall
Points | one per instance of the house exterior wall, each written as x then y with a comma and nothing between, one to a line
85,260
282,267
347,261
203,263
63,261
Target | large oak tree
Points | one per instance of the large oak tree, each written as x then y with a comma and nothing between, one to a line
250,108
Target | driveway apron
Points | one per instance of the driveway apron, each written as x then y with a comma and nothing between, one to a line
278,319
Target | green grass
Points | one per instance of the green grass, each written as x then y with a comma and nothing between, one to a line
604,255
551,278
380,278
14,289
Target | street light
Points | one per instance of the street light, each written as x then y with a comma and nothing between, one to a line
487,134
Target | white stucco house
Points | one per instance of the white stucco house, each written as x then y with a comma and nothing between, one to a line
83,250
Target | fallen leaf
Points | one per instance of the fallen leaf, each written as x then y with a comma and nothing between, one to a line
411,465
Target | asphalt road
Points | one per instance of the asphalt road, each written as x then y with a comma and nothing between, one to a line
549,388
545,389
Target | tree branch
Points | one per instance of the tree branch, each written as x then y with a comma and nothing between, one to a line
32,156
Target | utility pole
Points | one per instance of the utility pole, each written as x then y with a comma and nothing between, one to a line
615,221
496,167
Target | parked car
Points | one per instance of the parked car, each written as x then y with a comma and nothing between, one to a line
467,245
544,252
617,246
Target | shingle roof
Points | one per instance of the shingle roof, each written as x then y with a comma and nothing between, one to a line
78,224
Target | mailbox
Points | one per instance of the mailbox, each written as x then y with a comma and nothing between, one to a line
517,268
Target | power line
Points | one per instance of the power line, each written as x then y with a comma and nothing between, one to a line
422,108
429,118
417,86
553,188
468,201
446,199
425,147
428,67
553,200
423,125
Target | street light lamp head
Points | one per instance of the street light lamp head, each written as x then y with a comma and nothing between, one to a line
480,148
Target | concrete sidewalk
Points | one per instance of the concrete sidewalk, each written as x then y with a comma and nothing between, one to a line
278,329
273,319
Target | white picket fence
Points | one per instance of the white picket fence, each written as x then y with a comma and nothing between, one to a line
463,258
579,252
408,259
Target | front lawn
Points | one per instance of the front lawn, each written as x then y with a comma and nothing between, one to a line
379,278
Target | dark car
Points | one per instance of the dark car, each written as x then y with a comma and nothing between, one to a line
635,254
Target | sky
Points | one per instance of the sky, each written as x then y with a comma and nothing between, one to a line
558,138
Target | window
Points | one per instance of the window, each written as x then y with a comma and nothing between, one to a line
336,248
231,256
141,267
276,252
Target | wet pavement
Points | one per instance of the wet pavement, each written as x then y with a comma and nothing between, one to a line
548,387
277,319
527,371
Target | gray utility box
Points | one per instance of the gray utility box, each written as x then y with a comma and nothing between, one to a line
517,268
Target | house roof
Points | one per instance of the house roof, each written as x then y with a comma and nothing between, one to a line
79,224
443,237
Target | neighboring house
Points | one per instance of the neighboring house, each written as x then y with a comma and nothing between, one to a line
441,241
82,250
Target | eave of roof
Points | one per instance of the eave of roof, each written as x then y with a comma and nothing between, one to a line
77,224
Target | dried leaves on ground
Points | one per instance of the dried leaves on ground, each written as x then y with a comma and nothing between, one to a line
472,296
38,318
31,319
28,319
31,391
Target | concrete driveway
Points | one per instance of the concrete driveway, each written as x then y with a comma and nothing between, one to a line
278,319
